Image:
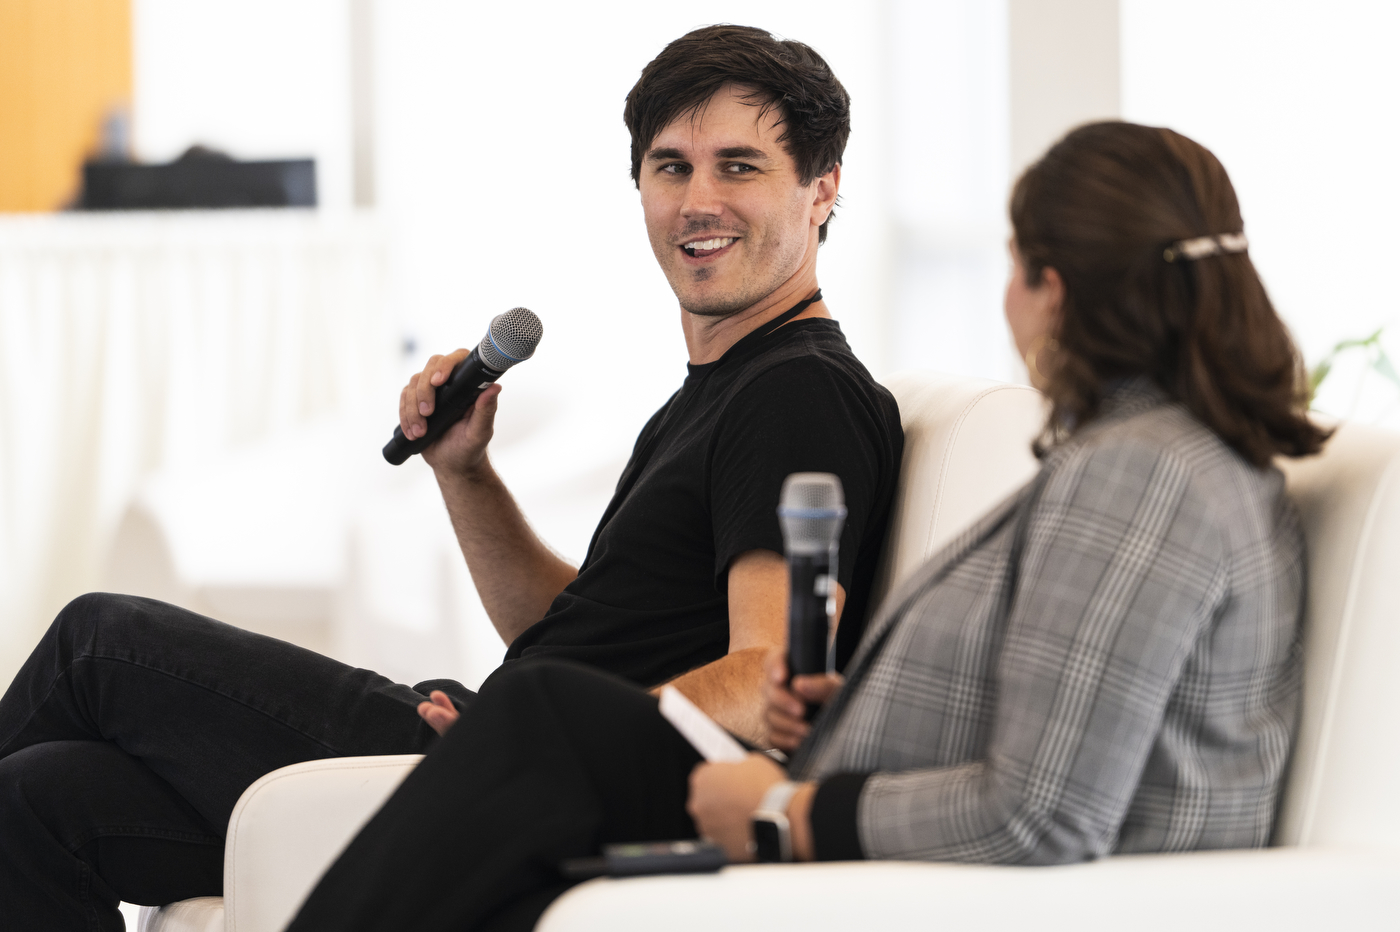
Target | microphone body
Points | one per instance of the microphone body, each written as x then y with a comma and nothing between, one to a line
511,338
809,622
811,513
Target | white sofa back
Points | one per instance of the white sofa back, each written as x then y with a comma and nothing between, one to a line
1342,783
967,445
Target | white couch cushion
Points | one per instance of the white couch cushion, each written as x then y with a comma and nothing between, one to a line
1341,786
202,914
285,831
290,825
1282,890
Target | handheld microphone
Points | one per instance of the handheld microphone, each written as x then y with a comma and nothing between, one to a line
812,510
511,338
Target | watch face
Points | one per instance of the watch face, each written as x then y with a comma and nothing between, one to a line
768,840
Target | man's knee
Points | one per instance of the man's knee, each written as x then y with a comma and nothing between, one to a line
116,618
85,615
33,783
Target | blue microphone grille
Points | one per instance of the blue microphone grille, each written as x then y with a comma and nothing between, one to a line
811,510
511,338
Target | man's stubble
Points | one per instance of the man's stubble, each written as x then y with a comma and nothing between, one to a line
774,264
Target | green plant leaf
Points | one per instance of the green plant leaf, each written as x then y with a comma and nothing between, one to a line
1317,375
1383,365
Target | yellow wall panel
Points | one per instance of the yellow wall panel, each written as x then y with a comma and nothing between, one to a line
64,65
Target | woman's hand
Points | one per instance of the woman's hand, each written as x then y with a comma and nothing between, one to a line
785,703
723,798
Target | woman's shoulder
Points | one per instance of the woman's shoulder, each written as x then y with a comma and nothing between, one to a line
1163,444
1167,429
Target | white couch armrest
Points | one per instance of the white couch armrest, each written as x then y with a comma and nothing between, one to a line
290,825
1276,889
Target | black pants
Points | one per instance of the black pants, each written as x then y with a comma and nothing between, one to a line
551,761
131,731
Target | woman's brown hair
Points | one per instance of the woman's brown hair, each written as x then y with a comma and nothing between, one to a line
1101,208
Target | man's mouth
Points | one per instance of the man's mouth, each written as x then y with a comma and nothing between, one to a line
708,247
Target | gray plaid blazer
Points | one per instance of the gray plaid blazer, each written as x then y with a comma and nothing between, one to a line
1108,662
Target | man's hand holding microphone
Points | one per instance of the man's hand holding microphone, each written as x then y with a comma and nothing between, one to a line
447,413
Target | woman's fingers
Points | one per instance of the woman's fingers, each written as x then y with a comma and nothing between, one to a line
817,687
786,729
786,704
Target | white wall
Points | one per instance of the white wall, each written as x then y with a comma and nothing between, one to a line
1064,70
1299,101
948,163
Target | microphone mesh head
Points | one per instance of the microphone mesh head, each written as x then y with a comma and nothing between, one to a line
511,338
811,510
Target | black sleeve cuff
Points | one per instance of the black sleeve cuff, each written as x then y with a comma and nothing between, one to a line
834,832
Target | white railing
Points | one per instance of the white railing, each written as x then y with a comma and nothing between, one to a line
137,342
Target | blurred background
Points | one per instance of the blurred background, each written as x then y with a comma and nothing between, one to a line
192,401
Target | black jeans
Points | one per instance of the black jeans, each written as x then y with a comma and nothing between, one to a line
552,760
131,731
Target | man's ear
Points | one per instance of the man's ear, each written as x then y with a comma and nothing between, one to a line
824,194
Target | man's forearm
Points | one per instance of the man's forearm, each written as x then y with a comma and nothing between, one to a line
516,575
729,690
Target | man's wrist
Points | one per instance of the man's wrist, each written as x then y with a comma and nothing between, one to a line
478,473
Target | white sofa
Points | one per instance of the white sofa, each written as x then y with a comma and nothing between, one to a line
1337,860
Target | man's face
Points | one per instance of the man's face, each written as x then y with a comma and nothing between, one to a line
727,218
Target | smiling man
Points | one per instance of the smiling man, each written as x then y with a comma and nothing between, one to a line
736,151
130,733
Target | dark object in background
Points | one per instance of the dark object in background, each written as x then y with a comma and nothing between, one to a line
201,178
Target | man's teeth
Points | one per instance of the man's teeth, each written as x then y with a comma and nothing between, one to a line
711,243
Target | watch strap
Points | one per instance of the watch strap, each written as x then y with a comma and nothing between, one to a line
777,798
772,832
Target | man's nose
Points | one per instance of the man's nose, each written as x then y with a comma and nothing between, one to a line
702,197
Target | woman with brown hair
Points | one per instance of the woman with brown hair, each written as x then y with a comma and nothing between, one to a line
1136,235
1108,662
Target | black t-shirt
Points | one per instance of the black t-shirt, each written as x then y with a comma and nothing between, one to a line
702,486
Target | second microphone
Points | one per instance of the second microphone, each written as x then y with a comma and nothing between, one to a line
811,512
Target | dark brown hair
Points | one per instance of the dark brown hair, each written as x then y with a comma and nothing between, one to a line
814,109
1100,208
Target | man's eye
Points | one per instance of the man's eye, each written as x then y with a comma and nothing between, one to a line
739,168
676,168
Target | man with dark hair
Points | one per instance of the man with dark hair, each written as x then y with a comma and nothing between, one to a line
130,733
813,108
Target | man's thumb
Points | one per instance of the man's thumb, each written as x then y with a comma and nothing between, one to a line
486,402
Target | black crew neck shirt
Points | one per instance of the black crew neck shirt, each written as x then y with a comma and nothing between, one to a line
650,601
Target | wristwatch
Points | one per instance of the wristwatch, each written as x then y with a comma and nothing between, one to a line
772,833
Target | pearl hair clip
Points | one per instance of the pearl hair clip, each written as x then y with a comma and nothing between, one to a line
1189,250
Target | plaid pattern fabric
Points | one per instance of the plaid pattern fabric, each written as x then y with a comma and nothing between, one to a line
1108,662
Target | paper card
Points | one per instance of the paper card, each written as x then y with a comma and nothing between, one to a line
712,741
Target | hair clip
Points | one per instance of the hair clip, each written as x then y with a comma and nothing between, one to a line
1189,250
